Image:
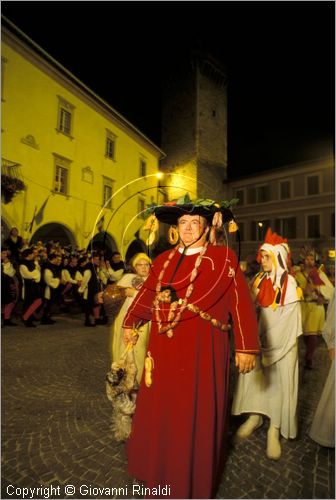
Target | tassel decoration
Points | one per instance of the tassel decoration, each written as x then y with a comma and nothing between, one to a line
149,367
233,227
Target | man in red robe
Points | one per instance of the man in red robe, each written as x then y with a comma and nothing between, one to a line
193,291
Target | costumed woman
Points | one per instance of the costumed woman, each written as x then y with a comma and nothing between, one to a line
323,427
132,282
179,431
272,388
317,291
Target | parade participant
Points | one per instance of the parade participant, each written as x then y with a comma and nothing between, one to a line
52,279
31,289
132,282
117,266
317,291
9,287
272,388
89,288
14,243
180,424
69,272
323,427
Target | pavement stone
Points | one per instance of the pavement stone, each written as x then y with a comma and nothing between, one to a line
56,424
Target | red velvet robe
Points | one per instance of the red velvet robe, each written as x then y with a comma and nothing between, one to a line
180,423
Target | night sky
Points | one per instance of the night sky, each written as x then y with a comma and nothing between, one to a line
279,57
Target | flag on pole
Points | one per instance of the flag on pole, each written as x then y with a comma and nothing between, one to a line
40,213
30,227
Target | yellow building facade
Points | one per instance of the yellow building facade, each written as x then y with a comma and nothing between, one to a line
88,173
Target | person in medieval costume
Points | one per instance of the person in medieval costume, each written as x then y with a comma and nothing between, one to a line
52,279
90,286
31,287
180,426
9,287
317,291
272,388
323,427
132,282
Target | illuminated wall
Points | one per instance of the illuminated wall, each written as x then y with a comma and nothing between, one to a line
73,152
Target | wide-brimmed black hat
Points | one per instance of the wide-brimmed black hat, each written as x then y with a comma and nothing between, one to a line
170,212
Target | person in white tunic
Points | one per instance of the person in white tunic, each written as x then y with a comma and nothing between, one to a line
323,427
132,282
271,389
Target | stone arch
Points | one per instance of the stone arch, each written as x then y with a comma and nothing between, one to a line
56,232
103,241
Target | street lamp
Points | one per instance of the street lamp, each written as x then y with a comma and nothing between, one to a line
260,234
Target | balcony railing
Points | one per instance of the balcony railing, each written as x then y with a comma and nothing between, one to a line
11,169
11,179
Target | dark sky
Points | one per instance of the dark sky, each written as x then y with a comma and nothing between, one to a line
279,56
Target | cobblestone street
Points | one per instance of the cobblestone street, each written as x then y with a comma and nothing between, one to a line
56,417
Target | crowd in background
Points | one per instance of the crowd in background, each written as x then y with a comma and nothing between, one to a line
45,277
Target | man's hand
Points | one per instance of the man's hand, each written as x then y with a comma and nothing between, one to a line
129,336
245,362
130,292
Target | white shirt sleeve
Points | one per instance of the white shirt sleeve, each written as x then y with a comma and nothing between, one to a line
30,275
9,269
86,279
50,280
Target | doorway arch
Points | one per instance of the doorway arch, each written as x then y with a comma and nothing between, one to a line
137,246
56,232
103,242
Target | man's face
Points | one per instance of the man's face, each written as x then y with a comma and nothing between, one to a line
4,254
116,258
142,268
266,261
96,260
309,261
190,228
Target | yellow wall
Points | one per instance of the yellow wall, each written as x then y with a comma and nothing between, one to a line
30,107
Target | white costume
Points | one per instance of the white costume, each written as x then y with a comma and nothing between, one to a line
129,280
323,427
271,389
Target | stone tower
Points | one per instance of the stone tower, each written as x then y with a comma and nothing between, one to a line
194,127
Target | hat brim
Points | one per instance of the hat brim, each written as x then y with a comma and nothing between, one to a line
169,214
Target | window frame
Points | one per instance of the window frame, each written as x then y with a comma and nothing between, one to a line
307,226
67,107
243,190
283,230
141,209
142,167
263,185
309,176
110,138
107,183
283,181
65,164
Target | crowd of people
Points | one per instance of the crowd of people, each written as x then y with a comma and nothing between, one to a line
47,277
176,314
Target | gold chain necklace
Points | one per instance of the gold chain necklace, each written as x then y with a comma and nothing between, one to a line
173,317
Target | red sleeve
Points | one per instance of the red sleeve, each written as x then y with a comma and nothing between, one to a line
245,326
